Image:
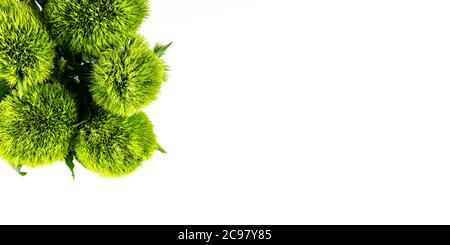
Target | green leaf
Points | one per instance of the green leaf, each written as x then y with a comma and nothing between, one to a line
41,2
160,49
70,165
38,5
18,168
161,149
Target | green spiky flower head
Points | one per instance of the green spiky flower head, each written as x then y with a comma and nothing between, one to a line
26,51
115,146
127,79
36,126
90,26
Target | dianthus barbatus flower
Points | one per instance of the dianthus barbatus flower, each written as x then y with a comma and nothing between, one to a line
126,79
37,125
26,50
90,26
114,146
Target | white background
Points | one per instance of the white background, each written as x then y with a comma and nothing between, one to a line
278,112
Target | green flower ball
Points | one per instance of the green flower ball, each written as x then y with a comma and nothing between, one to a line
90,26
36,127
115,146
26,51
126,80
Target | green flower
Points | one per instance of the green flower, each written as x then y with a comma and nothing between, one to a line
114,146
26,51
37,126
90,26
126,80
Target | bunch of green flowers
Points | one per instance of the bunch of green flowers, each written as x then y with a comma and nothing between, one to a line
74,77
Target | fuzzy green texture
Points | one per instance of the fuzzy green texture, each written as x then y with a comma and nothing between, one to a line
4,89
37,126
127,79
26,50
91,26
115,146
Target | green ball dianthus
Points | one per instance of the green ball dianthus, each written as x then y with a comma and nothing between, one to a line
126,80
115,146
26,50
37,125
90,26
